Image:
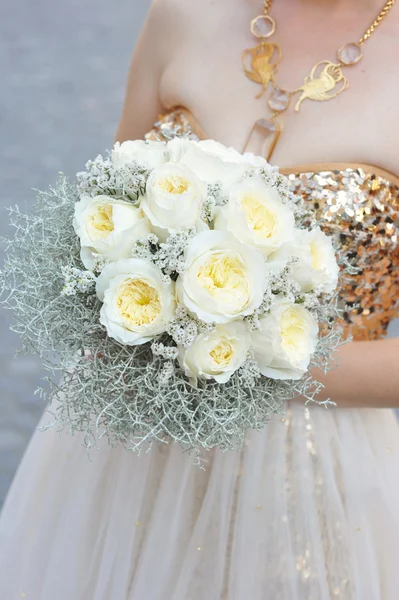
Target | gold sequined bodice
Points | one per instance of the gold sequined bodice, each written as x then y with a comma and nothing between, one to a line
359,202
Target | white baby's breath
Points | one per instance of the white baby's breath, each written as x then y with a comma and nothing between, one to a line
76,280
102,177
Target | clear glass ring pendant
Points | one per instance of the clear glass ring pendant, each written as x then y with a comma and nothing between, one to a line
350,54
263,26
279,100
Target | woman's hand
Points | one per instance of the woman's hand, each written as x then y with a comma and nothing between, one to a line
367,375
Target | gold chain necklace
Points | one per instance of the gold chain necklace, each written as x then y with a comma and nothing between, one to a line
325,82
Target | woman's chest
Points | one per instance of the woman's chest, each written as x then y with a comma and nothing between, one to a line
361,124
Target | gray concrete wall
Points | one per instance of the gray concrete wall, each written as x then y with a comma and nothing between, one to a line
63,69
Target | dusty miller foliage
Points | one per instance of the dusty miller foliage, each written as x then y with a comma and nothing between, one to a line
133,395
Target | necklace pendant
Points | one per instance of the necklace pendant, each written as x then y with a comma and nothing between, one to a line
350,54
263,138
263,26
262,63
326,81
279,100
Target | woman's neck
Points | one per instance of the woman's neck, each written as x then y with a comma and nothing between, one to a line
341,5
329,7
339,9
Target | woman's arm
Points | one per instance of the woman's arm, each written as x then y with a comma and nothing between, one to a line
142,104
367,375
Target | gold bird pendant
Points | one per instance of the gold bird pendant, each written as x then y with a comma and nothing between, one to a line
326,81
262,63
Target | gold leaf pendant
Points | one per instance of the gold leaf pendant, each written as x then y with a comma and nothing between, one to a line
262,63
326,81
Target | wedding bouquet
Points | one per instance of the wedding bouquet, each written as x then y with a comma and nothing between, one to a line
183,288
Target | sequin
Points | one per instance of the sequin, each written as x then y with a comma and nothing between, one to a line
363,208
171,125
302,565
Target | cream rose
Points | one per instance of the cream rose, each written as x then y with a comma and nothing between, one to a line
173,199
317,267
107,228
223,279
286,341
148,154
216,355
213,162
137,304
256,215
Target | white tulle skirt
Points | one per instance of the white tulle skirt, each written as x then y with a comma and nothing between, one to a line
309,510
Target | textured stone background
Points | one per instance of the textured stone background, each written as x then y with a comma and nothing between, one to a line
63,69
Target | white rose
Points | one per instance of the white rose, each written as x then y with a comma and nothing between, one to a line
223,279
286,341
216,355
256,161
256,215
137,304
148,154
212,162
107,228
173,199
317,267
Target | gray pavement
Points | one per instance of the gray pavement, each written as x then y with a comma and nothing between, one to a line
63,69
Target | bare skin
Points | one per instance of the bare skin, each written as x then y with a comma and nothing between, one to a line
189,55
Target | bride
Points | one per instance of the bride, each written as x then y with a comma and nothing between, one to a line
309,509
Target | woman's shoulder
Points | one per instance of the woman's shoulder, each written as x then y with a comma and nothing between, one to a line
161,30
174,9
166,18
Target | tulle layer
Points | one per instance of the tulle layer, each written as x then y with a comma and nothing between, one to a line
309,510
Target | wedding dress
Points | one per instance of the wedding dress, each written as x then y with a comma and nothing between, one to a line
309,510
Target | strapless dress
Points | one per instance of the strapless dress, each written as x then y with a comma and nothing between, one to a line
308,510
